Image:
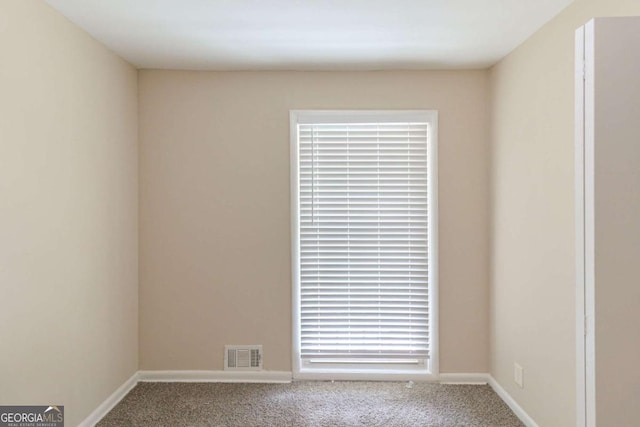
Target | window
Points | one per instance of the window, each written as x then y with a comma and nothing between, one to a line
364,242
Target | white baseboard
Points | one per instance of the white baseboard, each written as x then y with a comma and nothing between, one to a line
216,376
338,375
517,409
110,402
471,378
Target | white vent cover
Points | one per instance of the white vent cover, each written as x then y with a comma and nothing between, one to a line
243,357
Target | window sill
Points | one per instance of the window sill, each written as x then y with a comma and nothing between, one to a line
405,373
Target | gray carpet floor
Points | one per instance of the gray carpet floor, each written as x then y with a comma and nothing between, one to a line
313,403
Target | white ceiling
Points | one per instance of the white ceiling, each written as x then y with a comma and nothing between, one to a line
310,34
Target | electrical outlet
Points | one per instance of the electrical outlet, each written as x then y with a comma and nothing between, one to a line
518,375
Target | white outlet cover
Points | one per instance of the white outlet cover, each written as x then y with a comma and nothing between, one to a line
518,375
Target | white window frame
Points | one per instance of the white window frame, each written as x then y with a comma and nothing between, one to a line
392,371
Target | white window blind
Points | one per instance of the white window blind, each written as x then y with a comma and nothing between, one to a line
363,240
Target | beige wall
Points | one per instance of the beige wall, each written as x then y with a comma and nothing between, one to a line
616,204
532,267
68,213
215,223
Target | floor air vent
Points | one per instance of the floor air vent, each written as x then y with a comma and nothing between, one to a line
243,357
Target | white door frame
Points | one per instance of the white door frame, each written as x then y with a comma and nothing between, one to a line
585,227
579,224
